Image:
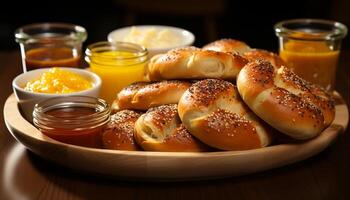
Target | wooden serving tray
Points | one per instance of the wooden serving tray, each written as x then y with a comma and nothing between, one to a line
166,166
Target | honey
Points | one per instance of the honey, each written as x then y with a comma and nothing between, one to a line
78,120
310,47
51,57
312,60
45,45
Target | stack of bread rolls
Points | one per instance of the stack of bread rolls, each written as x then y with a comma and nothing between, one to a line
224,96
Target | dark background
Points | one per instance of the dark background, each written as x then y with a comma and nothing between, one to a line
250,21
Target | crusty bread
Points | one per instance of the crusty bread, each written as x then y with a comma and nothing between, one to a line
285,101
194,63
160,129
228,45
119,133
213,112
142,96
259,54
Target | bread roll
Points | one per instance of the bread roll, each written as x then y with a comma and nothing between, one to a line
228,45
259,54
119,133
284,100
160,129
213,112
142,96
194,63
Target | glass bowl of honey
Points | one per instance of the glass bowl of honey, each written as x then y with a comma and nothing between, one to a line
45,45
77,120
311,47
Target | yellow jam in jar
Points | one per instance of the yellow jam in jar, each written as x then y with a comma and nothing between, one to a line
117,64
58,81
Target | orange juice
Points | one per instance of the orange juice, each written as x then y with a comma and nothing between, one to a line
118,67
312,60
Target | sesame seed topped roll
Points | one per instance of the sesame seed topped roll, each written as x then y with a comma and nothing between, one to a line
213,112
228,46
142,95
119,132
259,54
284,100
194,63
160,129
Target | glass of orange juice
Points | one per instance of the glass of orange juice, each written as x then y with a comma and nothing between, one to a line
311,47
118,64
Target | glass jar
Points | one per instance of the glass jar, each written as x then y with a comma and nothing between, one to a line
50,45
118,64
311,47
77,120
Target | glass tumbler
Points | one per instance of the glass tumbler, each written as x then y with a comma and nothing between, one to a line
119,64
311,47
50,45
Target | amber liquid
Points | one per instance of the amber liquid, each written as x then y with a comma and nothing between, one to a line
312,60
89,137
51,57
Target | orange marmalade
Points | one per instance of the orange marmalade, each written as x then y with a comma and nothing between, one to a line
58,81
312,60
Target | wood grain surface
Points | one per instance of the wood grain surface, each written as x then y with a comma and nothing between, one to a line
24,175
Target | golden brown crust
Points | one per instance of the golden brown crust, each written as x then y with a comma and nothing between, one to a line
160,129
194,63
259,54
119,132
228,45
213,112
142,96
285,101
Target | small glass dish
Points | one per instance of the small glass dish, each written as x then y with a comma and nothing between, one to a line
78,120
50,45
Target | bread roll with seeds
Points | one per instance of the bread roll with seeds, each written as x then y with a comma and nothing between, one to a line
142,96
284,100
194,63
259,54
228,45
160,129
213,112
119,132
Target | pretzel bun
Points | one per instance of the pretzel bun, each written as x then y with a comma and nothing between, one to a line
160,129
119,133
142,96
284,100
194,63
259,54
213,112
228,45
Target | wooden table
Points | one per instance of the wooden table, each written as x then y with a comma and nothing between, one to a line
24,175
